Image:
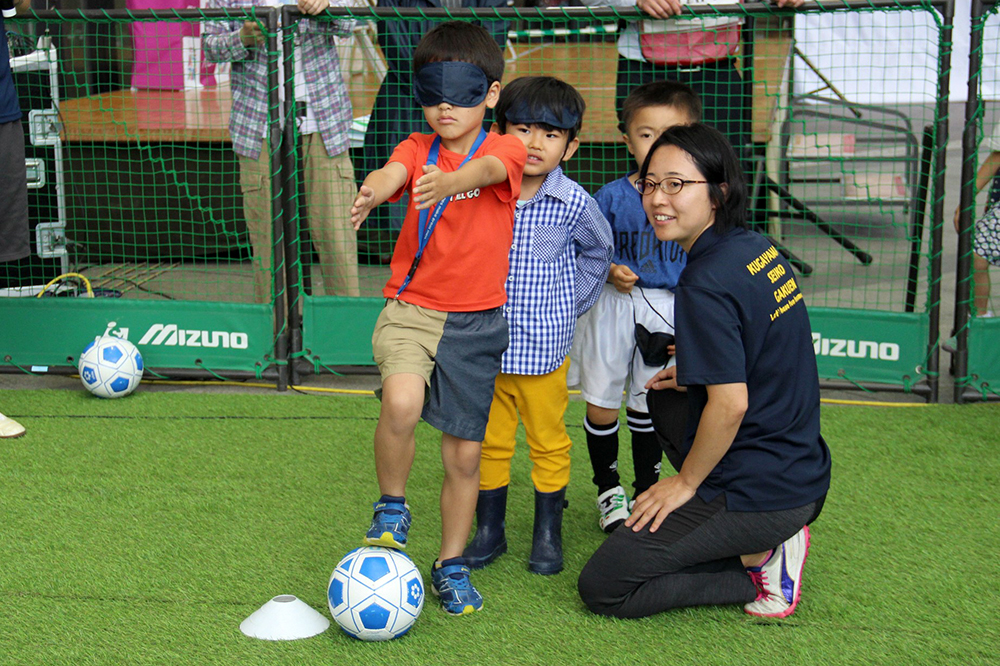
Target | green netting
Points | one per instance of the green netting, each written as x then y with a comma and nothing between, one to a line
153,200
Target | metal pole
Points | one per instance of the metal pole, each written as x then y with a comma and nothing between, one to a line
291,194
277,217
967,200
934,334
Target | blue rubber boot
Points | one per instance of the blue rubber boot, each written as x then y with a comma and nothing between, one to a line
546,542
490,540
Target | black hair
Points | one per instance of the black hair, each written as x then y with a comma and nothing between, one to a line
660,93
541,92
715,158
461,41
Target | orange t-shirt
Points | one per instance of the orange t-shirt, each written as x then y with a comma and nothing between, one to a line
465,265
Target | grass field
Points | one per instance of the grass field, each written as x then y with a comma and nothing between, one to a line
144,530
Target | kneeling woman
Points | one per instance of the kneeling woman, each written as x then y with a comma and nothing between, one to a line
753,469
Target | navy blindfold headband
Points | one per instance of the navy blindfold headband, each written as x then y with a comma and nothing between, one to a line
457,83
521,114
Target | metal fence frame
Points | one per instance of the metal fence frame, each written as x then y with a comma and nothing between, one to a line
287,352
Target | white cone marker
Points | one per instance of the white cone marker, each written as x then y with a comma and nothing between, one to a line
284,618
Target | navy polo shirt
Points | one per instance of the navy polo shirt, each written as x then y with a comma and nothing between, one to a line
740,318
9,108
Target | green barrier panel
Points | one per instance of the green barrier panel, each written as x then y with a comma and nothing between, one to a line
353,320
869,346
984,356
214,336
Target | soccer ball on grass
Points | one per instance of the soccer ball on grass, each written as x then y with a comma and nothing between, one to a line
110,367
375,594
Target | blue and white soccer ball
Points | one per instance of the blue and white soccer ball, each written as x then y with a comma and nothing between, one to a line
110,367
375,594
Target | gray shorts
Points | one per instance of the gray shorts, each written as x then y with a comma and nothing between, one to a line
13,193
458,355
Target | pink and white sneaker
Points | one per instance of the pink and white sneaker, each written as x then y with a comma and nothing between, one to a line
779,580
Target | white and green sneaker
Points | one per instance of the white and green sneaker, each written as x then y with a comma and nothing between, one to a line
613,505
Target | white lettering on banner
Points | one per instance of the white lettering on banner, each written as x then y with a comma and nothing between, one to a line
121,333
842,347
169,335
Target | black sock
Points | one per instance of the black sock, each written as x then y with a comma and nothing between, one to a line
602,443
646,452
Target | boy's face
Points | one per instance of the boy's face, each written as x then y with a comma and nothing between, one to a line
647,124
546,147
452,122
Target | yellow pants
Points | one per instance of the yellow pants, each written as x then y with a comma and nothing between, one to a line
541,401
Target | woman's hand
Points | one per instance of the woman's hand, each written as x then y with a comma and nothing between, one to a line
662,498
665,379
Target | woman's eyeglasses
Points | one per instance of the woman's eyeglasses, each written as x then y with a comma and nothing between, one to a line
667,185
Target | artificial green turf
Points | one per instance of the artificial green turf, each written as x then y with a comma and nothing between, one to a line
144,530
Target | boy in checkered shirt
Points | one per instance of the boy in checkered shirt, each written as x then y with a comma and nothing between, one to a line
558,263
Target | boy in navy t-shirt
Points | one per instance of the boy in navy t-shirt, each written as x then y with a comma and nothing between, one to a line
639,291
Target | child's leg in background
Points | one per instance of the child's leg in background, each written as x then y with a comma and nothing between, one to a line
498,445
981,273
986,243
604,344
601,426
490,540
654,309
646,452
542,401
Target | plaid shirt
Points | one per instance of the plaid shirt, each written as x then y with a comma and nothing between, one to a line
316,50
558,263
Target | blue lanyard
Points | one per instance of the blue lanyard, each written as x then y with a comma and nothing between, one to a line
429,219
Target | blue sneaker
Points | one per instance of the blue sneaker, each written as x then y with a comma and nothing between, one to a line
390,525
453,586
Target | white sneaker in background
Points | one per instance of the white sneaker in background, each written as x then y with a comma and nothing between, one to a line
10,428
613,505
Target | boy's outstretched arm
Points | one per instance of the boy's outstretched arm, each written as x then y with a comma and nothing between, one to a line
436,185
594,249
377,188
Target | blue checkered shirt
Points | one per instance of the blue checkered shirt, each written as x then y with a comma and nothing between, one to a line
558,263
316,50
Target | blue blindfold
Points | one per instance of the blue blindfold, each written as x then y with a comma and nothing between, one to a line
521,114
457,83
